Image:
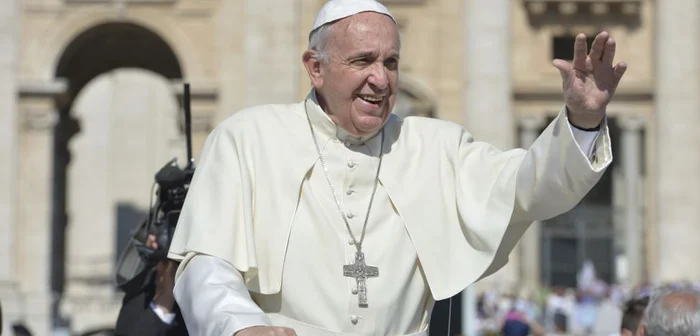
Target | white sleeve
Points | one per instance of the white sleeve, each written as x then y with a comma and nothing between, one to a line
167,318
213,299
585,140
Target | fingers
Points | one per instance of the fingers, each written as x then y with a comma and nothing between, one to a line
565,69
289,332
562,65
598,45
580,49
619,71
609,51
151,242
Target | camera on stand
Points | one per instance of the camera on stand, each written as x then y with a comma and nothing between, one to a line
172,183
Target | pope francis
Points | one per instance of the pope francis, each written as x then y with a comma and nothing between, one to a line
333,216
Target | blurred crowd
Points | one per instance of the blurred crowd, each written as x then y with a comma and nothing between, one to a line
593,308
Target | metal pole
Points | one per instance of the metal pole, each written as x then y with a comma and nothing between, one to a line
469,321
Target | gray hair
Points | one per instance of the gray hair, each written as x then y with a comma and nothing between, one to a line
673,311
318,39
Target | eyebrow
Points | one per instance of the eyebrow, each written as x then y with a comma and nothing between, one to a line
370,54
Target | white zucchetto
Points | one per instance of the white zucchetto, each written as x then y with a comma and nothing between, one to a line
335,10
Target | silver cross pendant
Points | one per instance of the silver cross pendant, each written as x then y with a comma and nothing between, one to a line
360,271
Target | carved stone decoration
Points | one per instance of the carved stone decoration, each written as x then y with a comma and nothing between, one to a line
39,101
203,123
203,97
536,7
38,119
414,99
601,8
568,7
564,9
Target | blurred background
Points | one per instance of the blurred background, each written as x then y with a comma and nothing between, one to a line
90,109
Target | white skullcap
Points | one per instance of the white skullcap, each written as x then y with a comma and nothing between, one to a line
338,9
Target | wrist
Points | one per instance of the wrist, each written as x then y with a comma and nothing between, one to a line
164,304
590,129
164,315
584,121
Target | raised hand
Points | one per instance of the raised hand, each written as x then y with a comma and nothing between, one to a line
165,279
591,80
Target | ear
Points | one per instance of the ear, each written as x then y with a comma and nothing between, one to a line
313,68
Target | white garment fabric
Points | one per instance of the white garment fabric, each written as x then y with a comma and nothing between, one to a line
167,318
215,300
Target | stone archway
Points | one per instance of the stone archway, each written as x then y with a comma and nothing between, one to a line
414,99
106,48
60,61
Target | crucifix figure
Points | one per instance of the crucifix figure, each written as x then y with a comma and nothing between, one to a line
360,271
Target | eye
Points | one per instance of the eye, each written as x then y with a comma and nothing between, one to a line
361,62
391,63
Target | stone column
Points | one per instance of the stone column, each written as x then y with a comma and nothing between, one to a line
634,224
272,59
487,72
677,93
230,39
9,40
38,117
488,95
530,243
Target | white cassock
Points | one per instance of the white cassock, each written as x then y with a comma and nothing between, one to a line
262,242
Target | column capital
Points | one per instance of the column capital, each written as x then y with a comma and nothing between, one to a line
202,123
631,123
199,88
532,123
38,119
43,88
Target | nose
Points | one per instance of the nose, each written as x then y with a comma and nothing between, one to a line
379,76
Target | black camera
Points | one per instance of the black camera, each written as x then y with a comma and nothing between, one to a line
173,183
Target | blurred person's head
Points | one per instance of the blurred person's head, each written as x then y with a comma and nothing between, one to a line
632,317
673,311
561,322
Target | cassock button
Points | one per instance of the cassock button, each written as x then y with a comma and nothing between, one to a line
351,164
354,291
351,241
350,192
351,215
354,319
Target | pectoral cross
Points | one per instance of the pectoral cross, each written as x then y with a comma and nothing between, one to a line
360,271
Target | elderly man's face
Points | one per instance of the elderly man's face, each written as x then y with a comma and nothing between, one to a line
358,84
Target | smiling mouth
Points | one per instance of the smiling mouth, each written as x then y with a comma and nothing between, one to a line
372,99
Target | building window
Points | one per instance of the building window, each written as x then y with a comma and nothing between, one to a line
563,46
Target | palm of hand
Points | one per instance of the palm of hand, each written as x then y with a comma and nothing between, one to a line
591,80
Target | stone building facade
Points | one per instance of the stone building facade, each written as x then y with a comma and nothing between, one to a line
90,109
